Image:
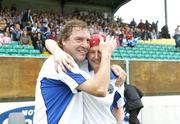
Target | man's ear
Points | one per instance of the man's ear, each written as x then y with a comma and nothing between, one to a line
63,42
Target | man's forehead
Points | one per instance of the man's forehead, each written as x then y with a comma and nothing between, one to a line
79,29
94,48
81,32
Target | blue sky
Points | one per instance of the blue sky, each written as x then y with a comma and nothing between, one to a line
152,10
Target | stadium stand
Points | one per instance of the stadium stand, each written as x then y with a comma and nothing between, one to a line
18,50
147,51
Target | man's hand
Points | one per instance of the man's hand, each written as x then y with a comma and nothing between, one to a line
63,61
107,46
121,74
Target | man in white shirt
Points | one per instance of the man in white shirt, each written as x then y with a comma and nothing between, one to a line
108,109
57,98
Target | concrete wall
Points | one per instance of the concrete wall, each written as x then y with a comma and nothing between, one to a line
154,77
160,110
18,76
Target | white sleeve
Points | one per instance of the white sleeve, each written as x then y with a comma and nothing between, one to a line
74,77
71,78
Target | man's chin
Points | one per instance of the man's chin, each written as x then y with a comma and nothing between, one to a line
80,59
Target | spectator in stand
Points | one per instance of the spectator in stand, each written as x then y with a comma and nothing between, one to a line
147,25
7,35
128,39
6,38
34,28
177,37
132,24
38,41
53,36
25,39
16,32
141,25
154,34
137,33
147,34
165,32
27,16
13,9
1,39
28,27
7,30
155,26
2,25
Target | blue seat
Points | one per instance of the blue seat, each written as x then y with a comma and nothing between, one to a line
23,51
12,51
30,47
7,46
34,51
18,46
2,50
14,42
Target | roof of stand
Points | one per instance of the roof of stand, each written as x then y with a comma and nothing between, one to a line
112,4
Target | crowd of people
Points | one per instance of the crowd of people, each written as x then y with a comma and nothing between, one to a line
32,27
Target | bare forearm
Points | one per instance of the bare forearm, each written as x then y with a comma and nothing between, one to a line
61,58
98,85
118,114
103,74
52,46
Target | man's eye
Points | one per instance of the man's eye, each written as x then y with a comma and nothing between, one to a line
79,40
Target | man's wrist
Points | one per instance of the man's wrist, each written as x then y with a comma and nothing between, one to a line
105,53
58,51
119,122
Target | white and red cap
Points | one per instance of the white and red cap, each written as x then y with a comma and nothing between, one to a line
95,39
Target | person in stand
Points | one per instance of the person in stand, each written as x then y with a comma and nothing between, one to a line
177,37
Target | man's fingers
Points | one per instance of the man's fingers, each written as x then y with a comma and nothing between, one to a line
108,38
67,65
111,38
56,67
101,39
61,67
70,61
113,41
119,82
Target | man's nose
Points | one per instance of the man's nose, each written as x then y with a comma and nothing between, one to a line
86,44
96,55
